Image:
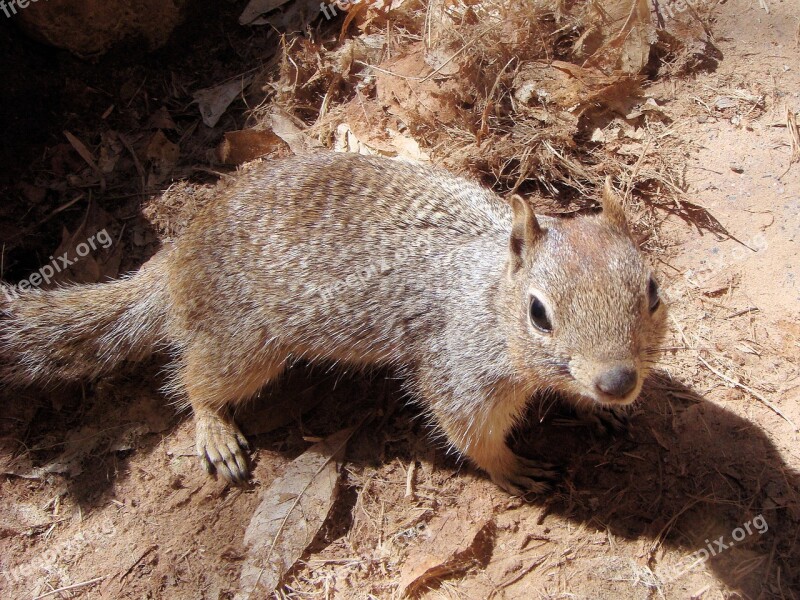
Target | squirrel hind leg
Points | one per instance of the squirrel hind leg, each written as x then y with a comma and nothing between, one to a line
212,387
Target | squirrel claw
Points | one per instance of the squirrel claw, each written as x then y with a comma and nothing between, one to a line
613,420
221,448
528,476
603,421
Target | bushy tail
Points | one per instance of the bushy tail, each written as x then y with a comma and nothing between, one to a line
83,330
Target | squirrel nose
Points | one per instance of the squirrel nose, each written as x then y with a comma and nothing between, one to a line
617,381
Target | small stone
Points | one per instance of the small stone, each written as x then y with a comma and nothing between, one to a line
737,168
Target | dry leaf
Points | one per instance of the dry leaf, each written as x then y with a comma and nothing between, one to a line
213,102
161,119
163,156
290,514
398,144
346,141
33,194
794,135
374,14
99,256
649,106
291,17
78,445
627,33
86,155
162,151
452,547
403,90
407,147
110,150
18,518
442,61
285,128
248,144
256,8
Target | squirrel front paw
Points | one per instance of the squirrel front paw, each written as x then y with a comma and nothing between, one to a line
525,475
602,420
606,420
221,447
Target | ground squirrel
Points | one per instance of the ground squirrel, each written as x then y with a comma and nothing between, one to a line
366,261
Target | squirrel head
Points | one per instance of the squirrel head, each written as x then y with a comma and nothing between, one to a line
585,313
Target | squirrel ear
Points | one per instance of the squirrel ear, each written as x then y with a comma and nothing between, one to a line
525,230
612,206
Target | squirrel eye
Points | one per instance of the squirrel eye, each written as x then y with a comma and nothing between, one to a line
538,314
653,297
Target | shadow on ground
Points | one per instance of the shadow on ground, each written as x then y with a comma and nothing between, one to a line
688,475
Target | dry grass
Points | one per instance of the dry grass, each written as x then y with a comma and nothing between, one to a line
531,96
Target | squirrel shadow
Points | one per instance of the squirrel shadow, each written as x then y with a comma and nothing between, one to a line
688,475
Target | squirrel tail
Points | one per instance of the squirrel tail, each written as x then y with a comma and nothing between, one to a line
81,331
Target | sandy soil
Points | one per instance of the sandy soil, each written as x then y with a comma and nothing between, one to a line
711,461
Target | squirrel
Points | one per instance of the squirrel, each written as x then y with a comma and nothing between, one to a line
365,260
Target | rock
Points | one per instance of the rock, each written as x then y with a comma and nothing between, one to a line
91,27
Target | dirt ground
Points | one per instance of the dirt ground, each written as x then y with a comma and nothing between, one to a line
101,495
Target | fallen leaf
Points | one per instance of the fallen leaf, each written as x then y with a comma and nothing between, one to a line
162,151
238,147
442,62
213,102
33,194
452,546
90,250
562,88
17,518
256,8
405,91
628,32
407,147
292,17
78,445
290,514
161,119
163,156
110,150
794,135
347,141
650,106
722,102
286,129
86,155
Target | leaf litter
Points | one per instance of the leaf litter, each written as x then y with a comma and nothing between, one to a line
291,513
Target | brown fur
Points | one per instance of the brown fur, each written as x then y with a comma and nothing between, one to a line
363,261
